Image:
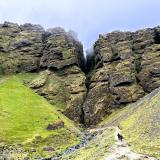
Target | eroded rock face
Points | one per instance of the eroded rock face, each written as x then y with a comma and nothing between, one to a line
61,50
63,88
65,82
55,54
127,66
20,47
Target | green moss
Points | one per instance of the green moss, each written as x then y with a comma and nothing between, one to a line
98,148
114,118
24,116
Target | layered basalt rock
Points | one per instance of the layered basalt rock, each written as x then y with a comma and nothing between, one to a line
20,47
55,54
65,82
127,66
61,50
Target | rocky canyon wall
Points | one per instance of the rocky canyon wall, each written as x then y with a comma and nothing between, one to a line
55,55
124,67
127,68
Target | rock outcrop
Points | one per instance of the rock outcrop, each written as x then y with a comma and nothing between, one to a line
55,54
127,66
20,47
62,83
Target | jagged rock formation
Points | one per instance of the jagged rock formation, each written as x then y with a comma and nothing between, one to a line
20,47
54,53
127,66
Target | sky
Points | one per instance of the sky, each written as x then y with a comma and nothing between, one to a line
88,18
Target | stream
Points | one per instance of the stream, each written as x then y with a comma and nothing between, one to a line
86,137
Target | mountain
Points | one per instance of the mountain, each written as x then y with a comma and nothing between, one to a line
48,89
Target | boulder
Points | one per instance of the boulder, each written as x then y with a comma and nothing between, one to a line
54,126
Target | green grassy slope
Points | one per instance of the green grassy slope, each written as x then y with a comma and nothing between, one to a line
140,124
24,117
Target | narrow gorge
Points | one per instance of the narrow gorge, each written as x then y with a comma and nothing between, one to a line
122,69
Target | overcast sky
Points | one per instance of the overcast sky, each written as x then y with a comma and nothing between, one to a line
88,18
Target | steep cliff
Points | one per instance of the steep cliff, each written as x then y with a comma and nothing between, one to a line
55,54
127,67
124,67
20,47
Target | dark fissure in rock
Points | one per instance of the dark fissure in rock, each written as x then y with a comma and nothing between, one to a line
82,120
128,83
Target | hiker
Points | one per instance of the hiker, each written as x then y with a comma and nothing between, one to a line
120,137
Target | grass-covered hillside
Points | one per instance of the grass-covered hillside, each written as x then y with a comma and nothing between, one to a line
140,124
24,118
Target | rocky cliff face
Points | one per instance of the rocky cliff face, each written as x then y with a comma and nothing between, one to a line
20,47
55,54
127,67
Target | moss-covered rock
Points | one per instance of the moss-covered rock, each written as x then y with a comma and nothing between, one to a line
55,53
61,50
127,66
65,89
21,47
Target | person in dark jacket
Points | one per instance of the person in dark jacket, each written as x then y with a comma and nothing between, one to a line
120,137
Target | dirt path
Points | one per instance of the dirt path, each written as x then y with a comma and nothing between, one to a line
122,151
